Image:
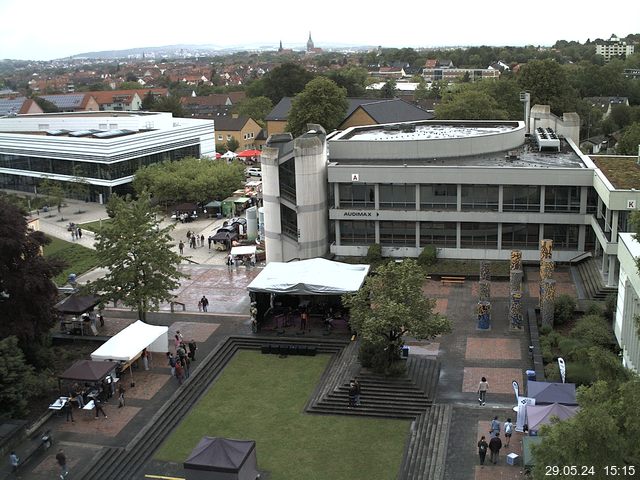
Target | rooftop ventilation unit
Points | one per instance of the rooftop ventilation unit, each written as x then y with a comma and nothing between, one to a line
547,139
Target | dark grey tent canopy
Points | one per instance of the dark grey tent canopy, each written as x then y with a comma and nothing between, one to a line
88,371
186,207
222,459
214,204
548,392
76,304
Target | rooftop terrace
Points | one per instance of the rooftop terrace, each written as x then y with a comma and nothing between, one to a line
622,172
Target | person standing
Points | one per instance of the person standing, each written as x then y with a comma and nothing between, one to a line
304,320
209,240
482,449
68,410
192,349
357,399
352,394
145,359
495,427
79,233
73,234
205,303
121,391
202,240
181,247
61,458
495,444
483,386
172,363
14,461
179,372
508,431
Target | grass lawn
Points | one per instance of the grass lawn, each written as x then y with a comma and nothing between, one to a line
262,397
94,226
78,258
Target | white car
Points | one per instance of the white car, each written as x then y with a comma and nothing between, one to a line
253,172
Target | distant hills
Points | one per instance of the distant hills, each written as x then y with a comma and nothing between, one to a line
199,50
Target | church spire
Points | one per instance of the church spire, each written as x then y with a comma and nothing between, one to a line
309,43
280,49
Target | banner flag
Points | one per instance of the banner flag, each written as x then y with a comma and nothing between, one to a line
562,368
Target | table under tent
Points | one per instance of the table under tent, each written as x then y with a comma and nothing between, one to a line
127,346
72,309
309,291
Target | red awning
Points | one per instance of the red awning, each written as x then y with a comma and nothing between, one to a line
218,155
249,153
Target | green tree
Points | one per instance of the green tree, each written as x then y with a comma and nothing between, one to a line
142,267
609,413
389,89
321,102
353,79
630,140
257,108
390,304
232,144
169,104
548,83
189,180
27,293
19,382
79,185
469,105
46,105
422,91
286,80
53,190
147,101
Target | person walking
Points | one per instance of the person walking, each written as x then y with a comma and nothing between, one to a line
192,349
357,399
99,410
181,247
483,386
61,458
495,427
73,234
205,303
482,449
79,233
68,410
508,431
121,391
495,444
14,461
352,394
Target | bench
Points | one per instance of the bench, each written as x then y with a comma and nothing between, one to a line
452,280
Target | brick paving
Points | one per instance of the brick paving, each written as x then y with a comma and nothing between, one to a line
493,348
200,332
498,289
86,423
147,383
499,379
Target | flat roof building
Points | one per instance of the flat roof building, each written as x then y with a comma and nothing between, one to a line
103,148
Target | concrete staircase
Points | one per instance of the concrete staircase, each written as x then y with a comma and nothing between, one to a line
426,452
592,281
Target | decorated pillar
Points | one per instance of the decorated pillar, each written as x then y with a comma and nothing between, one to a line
547,302
484,315
516,260
485,271
515,280
546,248
515,310
484,291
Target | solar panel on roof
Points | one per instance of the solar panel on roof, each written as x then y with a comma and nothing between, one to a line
65,101
57,133
82,133
113,133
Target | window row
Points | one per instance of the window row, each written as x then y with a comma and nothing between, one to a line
97,170
444,234
515,198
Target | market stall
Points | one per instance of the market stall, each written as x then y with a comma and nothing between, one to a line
216,458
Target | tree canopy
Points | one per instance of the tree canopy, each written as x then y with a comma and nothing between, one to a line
189,180
137,252
168,104
604,432
548,83
630,140
257,108
285,80
27,293
391,304
470,104
322,102
353,79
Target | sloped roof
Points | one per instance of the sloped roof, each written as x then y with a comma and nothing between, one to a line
538,415
229,123
549,392
220,454
395,110
76,304
72,100
12,105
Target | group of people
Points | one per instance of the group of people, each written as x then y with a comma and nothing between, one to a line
495,443
99,394
203,304
76,231
180,363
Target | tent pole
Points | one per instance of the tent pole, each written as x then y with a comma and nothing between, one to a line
131,384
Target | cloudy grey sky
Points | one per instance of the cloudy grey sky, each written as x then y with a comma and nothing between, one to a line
45,29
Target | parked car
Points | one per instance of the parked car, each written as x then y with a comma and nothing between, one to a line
253,172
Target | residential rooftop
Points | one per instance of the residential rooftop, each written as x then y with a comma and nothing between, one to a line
622,172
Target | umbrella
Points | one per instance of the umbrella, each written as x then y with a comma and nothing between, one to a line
218,155
249,153
229,154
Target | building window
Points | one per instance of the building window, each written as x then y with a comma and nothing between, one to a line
592,200
354,232
287,171
520,198
398,234
565,237
520,235
438,234
357,195
439,197
398,196
220,137
289,222
562,199
480,197
478,235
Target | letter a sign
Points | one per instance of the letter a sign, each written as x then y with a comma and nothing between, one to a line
355,177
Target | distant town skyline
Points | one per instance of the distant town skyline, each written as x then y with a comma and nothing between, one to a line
43,30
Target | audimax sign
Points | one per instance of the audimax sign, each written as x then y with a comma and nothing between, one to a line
359,213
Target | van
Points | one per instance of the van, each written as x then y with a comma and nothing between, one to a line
253,172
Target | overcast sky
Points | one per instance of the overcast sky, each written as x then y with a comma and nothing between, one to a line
45,29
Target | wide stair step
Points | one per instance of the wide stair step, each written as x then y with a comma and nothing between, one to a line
592,281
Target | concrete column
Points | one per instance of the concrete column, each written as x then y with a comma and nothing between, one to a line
582,236
337,230
611,278
547,302
376,191
417,197
542,195
484,290
500,200
417,234
271,203
584,193
599,208
378,231
458,235
607,221
500,235
336,195
459,201
614,226
605,262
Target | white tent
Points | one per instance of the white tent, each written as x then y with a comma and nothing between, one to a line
229,154
316,276
127,345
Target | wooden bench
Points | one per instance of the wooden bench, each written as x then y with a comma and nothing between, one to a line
452,280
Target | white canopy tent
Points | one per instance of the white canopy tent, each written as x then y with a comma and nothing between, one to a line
127,345
316,276
243,250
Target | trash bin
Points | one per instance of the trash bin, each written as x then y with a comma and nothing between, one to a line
405,352
531,375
